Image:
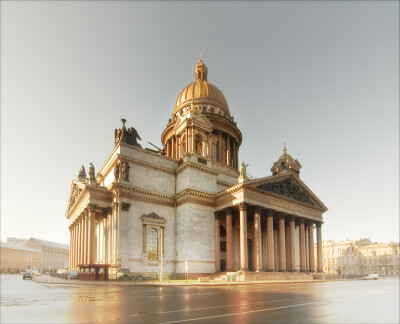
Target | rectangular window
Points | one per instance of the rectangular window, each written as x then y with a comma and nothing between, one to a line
223,246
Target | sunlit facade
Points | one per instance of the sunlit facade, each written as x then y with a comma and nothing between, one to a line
15,259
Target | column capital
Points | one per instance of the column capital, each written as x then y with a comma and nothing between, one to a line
228,211
257,209
92,207
114,205
301,220
318,224
292,217
107,210
270,212
242,206
310,223
280,215
125,206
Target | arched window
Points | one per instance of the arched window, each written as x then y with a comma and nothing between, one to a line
183,145
151,243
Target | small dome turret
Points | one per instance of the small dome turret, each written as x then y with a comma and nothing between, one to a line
200,71
286,163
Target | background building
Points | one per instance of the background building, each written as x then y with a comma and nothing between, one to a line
354,258
54,255
15,259
19,254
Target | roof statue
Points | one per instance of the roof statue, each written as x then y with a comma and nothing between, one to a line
124,135
82,174
92,175
243,169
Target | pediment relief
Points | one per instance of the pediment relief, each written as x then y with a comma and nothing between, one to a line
288,187
76,190
195,120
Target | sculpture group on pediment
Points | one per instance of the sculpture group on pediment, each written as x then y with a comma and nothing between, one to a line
126,135
288,189
75,194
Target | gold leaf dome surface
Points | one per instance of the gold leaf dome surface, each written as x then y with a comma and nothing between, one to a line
201,92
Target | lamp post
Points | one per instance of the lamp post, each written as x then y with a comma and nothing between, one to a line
161,255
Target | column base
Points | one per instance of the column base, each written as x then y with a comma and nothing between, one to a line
269,270
244,270
304,270
259,270
292,270
229,270
282,270
320,271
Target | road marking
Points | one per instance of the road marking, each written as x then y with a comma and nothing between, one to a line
202,308
239,313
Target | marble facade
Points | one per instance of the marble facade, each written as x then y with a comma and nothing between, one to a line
191,202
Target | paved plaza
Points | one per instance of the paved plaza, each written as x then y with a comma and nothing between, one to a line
352,301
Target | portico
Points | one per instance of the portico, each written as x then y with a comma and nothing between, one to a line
275,218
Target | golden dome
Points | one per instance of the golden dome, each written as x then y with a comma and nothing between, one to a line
202,92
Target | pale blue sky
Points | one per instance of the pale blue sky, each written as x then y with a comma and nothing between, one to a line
321,76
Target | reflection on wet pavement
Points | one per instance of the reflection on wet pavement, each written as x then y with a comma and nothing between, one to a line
26,301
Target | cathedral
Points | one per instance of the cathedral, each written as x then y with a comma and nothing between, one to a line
191,207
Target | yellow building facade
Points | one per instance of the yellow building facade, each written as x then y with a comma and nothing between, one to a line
15,259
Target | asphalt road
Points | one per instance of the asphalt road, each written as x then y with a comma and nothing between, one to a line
356,301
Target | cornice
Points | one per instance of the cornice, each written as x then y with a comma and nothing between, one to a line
148,164
197,167
230,190
224,169
143,191
102,189
194,193
223,183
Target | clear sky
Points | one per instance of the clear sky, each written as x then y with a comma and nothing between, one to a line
321,76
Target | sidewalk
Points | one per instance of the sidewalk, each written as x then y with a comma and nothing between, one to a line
55,280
